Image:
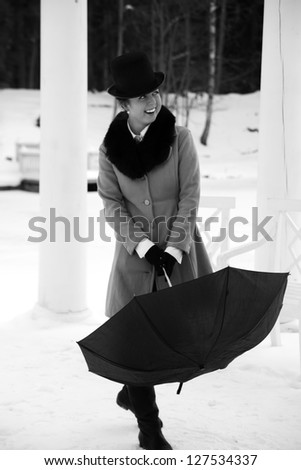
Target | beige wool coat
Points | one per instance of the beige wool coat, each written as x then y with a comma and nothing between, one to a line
161,205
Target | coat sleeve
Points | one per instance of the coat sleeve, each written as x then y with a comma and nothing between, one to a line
183,226
116,213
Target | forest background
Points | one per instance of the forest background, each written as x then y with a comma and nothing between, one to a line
174,33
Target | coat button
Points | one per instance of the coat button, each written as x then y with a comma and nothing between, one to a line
147,202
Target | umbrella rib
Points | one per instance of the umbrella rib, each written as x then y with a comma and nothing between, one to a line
275,299
131,369
162,339
223,319
109,360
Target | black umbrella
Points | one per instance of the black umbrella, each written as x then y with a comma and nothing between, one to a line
187,330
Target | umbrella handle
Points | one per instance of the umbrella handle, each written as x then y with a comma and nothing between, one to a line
167,278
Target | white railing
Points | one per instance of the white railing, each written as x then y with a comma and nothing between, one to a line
28,156
221,208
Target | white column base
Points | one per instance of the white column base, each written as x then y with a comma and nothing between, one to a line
47,317
275,334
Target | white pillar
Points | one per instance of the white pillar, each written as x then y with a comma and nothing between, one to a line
279,165
63,165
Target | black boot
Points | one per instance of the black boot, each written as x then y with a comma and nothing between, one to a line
143,400
123,400
153,441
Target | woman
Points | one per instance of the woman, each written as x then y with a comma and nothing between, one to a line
149,182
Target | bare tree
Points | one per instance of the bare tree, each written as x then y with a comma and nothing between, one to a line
186,86
221,44
212,66
119,41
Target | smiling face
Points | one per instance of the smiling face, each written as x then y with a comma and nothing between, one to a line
143,110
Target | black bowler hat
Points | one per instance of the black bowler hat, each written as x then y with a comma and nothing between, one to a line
133,76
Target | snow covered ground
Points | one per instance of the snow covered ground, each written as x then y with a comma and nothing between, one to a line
48,398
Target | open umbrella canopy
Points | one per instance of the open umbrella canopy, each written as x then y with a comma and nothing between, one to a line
187,330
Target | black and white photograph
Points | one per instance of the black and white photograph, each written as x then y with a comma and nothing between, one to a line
150,231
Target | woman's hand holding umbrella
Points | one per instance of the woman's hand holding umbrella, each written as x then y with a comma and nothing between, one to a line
160,259
155,256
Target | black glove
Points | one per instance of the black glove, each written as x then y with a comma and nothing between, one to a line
155,257
169,261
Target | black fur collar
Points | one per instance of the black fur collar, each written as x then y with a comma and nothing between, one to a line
135,160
